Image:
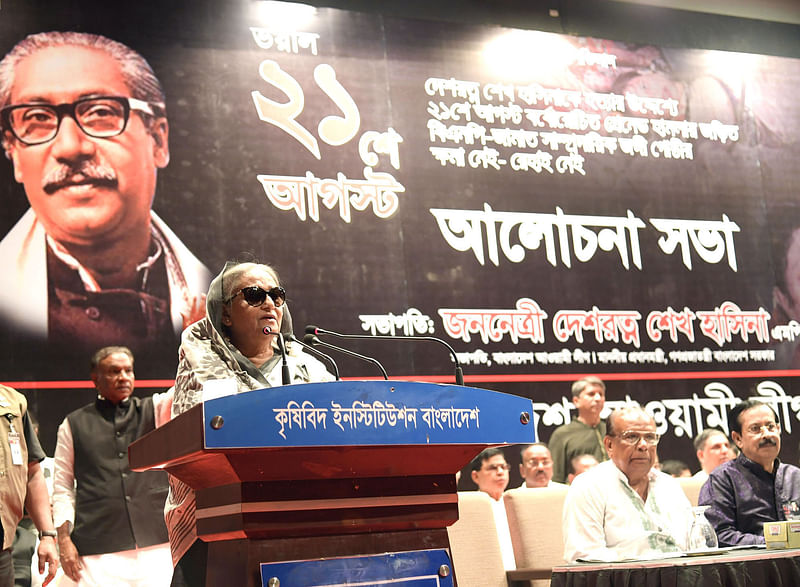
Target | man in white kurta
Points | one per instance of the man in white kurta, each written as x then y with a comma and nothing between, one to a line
713,448
490,474
536,467
109,519
622,508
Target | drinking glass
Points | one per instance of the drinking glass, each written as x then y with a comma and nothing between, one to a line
701,533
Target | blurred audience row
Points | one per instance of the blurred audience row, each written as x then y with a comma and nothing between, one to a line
623,504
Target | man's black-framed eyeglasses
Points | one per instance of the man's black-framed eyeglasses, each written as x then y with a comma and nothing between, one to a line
255,296
101,117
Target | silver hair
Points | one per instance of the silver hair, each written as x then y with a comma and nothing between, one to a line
105,352
232,277
611,421
139,77
232,280
701,439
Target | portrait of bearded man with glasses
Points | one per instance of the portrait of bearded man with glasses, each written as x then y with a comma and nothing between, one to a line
84,125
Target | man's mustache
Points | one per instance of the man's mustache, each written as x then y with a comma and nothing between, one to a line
766,442
90,171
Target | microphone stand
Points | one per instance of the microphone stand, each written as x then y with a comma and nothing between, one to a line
316,353
313,340
286,377
459,373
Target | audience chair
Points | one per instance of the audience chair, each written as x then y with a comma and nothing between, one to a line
534,519
474,545
691,487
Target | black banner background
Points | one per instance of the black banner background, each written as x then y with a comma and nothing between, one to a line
336,271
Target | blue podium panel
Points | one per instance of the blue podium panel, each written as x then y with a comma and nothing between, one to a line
421,568
366,413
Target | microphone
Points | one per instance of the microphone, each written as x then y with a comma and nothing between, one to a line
313,340
459,374
316,353
286,377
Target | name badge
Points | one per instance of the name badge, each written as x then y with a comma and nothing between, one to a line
16,447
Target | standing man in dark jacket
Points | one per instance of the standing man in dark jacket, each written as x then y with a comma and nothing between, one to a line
110,520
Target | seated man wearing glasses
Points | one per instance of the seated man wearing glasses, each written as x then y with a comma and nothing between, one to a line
536,466
623,508
755,487
84,125
490,474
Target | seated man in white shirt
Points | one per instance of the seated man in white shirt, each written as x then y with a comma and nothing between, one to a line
622,509
713,448
580,464
536,468
490,474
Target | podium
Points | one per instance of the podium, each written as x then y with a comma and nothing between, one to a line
340,473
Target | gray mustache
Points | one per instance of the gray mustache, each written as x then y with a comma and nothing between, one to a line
766,441
61,176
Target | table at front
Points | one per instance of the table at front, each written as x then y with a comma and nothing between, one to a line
739,568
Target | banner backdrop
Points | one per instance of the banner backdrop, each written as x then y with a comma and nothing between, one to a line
552,206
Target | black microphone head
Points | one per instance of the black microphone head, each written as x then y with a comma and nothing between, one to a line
267,330
311,329
310,339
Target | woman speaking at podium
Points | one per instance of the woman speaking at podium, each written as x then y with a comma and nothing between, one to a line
238,346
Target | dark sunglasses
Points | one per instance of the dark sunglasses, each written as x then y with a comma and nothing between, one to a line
255,296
